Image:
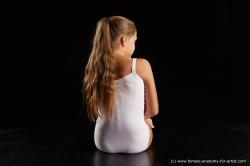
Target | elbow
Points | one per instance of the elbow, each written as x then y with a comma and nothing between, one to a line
153,111
156,110
154,114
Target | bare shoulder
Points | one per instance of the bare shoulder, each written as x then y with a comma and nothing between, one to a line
143,68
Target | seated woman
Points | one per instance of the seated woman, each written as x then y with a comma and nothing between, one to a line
119,91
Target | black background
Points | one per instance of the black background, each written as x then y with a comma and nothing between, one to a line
198,50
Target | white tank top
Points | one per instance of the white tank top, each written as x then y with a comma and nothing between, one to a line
127,131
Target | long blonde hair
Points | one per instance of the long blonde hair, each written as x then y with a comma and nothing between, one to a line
98,87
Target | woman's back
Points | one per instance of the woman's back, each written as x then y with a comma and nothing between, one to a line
127,131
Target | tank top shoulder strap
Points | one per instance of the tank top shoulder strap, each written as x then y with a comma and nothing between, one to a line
133,65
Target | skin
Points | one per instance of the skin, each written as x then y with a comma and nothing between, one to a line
123,49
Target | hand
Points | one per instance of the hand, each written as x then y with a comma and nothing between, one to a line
149,122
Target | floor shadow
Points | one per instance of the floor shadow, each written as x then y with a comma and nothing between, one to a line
145,158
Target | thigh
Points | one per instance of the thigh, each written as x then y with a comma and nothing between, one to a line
150,134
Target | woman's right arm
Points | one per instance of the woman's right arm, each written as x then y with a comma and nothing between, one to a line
145,71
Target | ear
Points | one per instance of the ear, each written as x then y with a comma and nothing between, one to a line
123,40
